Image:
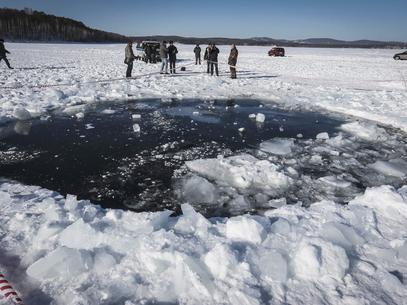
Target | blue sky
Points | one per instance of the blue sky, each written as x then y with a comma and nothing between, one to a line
289,19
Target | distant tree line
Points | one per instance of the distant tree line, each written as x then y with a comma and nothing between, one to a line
28,25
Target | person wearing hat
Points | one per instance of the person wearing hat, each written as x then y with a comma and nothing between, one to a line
3,53
213,59
197,51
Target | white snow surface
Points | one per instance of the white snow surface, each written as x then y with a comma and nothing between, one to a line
364,83
57,250
65,251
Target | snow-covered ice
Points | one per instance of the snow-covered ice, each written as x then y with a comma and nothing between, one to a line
67,251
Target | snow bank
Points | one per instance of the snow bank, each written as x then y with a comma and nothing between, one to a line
364,83
78,253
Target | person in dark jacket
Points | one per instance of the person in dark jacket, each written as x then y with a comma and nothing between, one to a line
172,55
129,58
206,56
233,61
213,59
197,51
3,53
148,50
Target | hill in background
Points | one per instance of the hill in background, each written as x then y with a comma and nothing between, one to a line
28,25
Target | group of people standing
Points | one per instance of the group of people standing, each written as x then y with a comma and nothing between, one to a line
211,57
169,55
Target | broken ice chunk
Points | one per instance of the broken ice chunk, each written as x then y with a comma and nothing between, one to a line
277,146
394,168
136,128
245,229
136,116
21,114
63,263
323,136
260,118
199,190
108,111
80,115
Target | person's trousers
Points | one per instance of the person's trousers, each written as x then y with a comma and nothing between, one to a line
129,69
209,65
214,65
197,59
164,64
6,60
172,66
232,72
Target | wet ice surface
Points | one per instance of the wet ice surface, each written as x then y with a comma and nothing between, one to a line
151,155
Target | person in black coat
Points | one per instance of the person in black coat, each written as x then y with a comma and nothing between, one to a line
149,51
197,51
213,59
206,56
172,55
3,53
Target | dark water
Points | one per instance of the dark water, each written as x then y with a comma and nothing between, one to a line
101,158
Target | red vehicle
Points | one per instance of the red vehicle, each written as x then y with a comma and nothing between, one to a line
276,51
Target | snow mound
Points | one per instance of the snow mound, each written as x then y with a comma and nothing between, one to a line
79,253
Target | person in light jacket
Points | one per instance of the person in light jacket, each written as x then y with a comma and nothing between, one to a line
129,58
3,53
164,57
197,51
206,56
233,61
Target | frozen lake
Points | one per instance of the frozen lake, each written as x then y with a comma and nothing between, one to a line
312,249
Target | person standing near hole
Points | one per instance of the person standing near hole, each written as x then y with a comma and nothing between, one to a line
3,53
206,56
164,57
172,54
233,61
129,58
197,51
213,59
